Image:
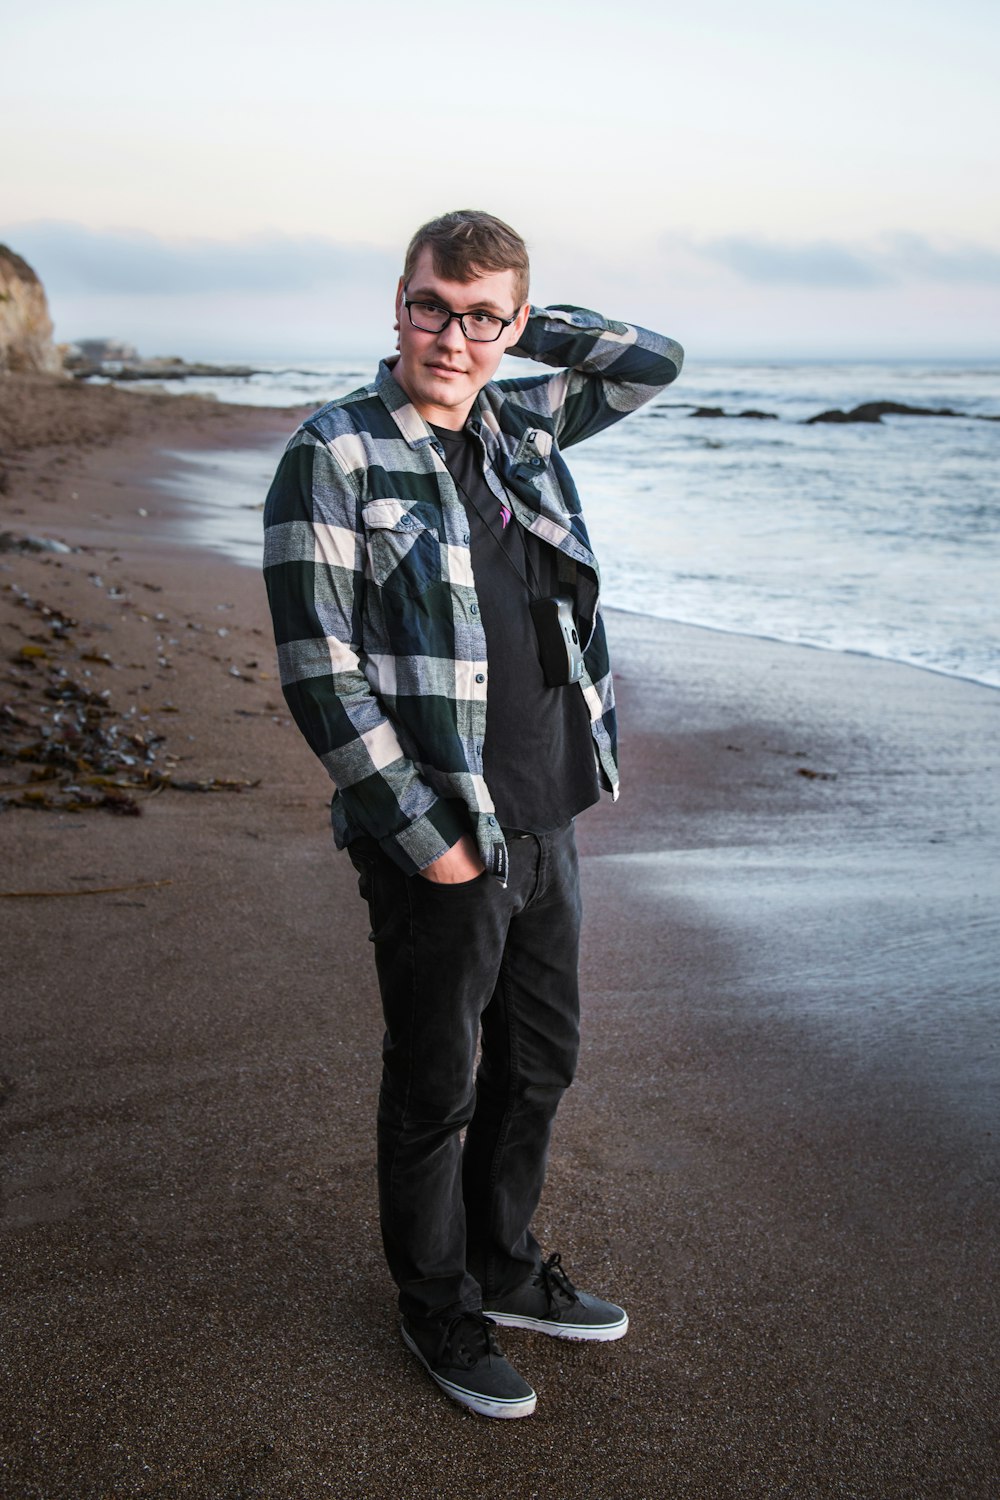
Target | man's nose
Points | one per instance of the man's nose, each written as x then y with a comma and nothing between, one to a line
452,336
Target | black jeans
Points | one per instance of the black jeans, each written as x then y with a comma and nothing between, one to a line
460,965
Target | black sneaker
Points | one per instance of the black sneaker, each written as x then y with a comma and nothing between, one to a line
550,1303
466,1361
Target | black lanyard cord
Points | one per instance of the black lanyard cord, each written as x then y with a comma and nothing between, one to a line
531,583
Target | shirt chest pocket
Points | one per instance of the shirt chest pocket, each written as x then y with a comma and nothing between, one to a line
404,554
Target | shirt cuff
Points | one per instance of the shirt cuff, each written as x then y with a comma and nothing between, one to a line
424,840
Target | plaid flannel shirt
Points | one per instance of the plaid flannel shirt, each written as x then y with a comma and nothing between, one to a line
381,647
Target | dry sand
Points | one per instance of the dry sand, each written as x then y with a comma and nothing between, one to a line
781,1152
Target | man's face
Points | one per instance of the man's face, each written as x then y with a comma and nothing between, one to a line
442,373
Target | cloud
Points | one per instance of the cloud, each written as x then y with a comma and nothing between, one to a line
72,259
959,262
818,263
839,265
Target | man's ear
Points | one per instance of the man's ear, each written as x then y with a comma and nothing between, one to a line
517,327
399,299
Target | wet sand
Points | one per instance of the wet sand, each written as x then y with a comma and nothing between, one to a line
781,1152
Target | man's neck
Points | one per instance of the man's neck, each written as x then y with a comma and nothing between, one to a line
453,418
450,419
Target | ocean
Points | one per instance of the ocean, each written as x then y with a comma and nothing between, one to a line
882,539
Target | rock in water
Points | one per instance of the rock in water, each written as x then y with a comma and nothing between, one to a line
718,411
25,325
874,411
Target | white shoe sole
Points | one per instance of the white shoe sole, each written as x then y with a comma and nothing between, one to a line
582,1332
486,1406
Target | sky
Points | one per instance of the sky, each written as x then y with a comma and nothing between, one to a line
782,179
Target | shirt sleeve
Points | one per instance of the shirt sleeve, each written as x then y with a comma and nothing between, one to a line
607,369
314,556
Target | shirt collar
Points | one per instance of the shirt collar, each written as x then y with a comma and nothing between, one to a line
405,415
409,421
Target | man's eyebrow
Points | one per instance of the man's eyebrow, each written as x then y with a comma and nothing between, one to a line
421,295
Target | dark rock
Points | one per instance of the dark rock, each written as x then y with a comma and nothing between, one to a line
162,367
874,411
9,542
718,411
116,360
178,369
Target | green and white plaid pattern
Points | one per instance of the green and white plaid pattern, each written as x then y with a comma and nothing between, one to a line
380,642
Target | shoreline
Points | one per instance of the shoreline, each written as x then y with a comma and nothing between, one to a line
779,1153
252,429
235,475
780,640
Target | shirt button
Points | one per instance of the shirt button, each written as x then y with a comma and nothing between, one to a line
480,676
465,538
473,609
492,822
536,463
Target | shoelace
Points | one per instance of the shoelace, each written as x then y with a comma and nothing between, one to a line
554,1282
467,1338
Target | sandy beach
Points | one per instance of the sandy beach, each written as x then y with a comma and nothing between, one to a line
781,1153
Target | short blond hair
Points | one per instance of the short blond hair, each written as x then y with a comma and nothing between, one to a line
466,244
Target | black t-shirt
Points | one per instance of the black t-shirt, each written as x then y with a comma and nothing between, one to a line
538,756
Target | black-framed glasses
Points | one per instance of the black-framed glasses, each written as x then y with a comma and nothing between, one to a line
478,327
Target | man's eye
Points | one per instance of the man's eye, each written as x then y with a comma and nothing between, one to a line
482,320
434,308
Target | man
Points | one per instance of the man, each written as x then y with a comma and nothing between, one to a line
434,598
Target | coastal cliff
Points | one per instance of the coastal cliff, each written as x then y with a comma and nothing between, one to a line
25,326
